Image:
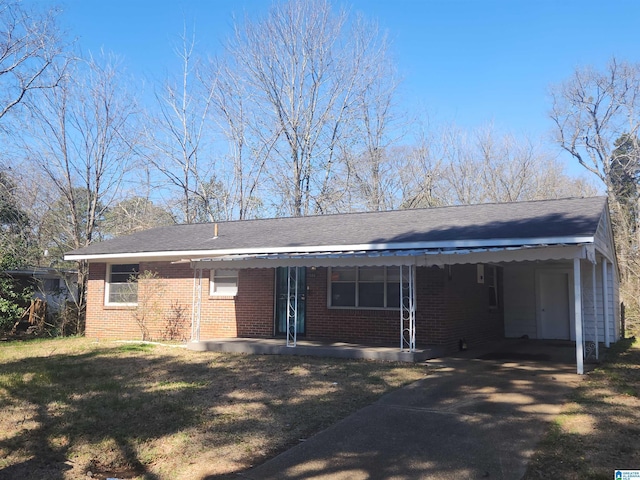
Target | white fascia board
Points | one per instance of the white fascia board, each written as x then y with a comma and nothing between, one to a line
505,242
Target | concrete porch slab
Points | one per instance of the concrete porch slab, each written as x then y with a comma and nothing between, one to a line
276,346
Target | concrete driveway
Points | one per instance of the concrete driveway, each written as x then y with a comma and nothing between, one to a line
471,418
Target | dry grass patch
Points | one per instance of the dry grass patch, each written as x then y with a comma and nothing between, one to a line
73,407
599,429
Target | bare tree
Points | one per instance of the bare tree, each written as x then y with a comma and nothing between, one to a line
30,46
248,151
304,68
134,214
597,118
486,166
180,145
375,172
82,135
592,111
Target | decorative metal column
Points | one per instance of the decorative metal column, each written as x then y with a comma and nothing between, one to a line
407,308
196,304
292,306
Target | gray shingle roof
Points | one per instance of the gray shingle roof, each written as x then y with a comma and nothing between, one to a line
575,217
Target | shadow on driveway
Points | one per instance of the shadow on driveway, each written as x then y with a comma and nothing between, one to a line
470,418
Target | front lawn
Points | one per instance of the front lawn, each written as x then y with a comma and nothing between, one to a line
73,408
598,430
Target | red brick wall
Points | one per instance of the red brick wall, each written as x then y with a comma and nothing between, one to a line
449,307
169,297
469,316
343,324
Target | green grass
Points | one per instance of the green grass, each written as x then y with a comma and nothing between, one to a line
72,406
599,428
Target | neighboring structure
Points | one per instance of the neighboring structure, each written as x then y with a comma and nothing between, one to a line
436,276
53,286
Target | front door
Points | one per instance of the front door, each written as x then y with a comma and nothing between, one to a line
282,280
554,305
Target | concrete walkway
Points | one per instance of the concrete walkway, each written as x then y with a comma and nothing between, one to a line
469,419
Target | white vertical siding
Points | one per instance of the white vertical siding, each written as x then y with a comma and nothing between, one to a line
611,303
614,302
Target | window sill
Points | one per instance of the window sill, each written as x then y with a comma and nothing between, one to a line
216,296
380,309
123,306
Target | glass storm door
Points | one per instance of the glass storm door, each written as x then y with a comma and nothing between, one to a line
282,278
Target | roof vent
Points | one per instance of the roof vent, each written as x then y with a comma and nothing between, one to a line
215,230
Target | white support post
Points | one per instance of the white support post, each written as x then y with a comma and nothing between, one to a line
196,303
605,303
407,308
595,309
577,293
292,306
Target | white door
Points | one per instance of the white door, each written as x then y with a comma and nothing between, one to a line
554,311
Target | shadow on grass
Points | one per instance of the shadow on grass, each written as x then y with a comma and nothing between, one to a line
598,431
102,409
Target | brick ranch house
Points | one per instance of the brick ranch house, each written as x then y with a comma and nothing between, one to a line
435,276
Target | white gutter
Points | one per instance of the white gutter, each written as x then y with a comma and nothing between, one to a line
324,248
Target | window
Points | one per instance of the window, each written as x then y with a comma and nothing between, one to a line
491,280
50,285
364,287
223,283
122,284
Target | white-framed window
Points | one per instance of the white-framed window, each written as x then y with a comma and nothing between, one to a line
491,280
364,287
223,283
121,285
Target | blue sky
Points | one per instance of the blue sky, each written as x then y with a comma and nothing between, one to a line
469,62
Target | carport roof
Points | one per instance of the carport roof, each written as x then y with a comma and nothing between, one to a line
566,221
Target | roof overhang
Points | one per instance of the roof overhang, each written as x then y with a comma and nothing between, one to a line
418,257
307,252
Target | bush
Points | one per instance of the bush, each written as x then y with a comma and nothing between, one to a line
14,298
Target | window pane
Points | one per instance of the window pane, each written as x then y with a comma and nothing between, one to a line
224,282
343,294
372,274
371,295
393,274
226,286
347,274
393,295
123,293
124,273
226,273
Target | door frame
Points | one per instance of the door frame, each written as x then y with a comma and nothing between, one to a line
570,298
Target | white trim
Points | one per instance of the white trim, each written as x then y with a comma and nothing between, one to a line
107,288
539,241
212,283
